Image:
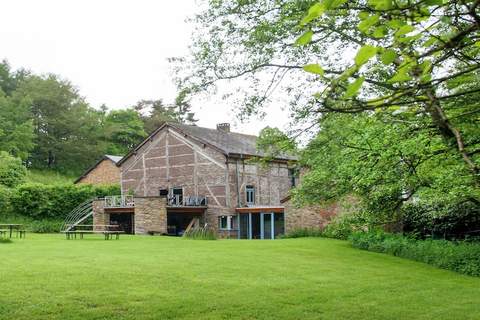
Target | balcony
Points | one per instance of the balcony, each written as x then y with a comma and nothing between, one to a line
187,201
119,202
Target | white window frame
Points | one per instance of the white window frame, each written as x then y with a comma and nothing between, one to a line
250,189
229,221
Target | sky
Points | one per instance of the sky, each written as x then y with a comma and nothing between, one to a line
114,51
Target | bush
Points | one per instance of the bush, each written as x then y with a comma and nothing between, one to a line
200,234
304,232
12,171
442,220
44,226
5,195
41,201
343,226
462,257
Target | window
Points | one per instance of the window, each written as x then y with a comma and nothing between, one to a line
177,196
250,194
292,175
227,222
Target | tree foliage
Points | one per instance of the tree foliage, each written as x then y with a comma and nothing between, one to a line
46,122
12,171
390,88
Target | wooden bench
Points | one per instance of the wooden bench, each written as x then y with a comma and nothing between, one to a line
95,229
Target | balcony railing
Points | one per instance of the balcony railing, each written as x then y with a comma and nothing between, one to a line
119,202
187,201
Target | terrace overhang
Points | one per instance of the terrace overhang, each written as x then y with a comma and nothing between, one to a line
260,209
186,209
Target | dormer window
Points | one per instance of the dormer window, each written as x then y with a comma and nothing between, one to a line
250,195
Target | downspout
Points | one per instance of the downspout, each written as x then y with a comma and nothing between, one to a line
237,181
238,197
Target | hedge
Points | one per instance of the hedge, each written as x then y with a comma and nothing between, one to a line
41,201
462,257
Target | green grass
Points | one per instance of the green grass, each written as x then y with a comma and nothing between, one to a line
49,177
47,277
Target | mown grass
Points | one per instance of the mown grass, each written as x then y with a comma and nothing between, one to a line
47,277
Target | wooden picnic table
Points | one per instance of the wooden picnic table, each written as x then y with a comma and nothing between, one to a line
11,226
105,229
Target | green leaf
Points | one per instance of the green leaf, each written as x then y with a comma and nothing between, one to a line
380,32
401,76
396,23
314,12
332,4
433,2
314,68
368,22
381,4
304,38
388,56
404,30
353,87
364,54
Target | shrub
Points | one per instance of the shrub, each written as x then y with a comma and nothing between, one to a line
5,195
304,232
12,171
44,226
343,226
462,257
200,234
41,201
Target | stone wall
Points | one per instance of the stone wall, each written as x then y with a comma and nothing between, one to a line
315,217
106,172
99,216
150,214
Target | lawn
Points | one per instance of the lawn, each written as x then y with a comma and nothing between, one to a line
47,277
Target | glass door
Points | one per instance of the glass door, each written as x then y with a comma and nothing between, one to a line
267,226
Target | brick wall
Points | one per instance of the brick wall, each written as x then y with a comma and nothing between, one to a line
106,172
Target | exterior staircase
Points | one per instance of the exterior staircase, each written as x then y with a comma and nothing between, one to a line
82,212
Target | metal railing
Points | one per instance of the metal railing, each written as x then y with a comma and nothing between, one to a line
184,201
119,201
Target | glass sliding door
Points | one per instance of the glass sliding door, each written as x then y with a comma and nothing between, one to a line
267,228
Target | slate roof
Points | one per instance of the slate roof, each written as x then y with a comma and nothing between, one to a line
231,143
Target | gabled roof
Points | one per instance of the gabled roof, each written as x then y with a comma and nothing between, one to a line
114,159
229,143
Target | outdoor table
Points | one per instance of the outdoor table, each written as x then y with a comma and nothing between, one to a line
11,226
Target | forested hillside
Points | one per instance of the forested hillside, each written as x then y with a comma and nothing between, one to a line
47,124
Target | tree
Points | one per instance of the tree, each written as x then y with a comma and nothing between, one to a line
123,130
12,171
403,55
389,88
66,129
16,127
154,112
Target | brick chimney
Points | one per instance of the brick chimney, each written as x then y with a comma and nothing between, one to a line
225,127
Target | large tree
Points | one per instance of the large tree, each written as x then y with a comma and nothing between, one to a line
359,56
389,89
66,128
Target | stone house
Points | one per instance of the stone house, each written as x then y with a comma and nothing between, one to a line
104,171
183,176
